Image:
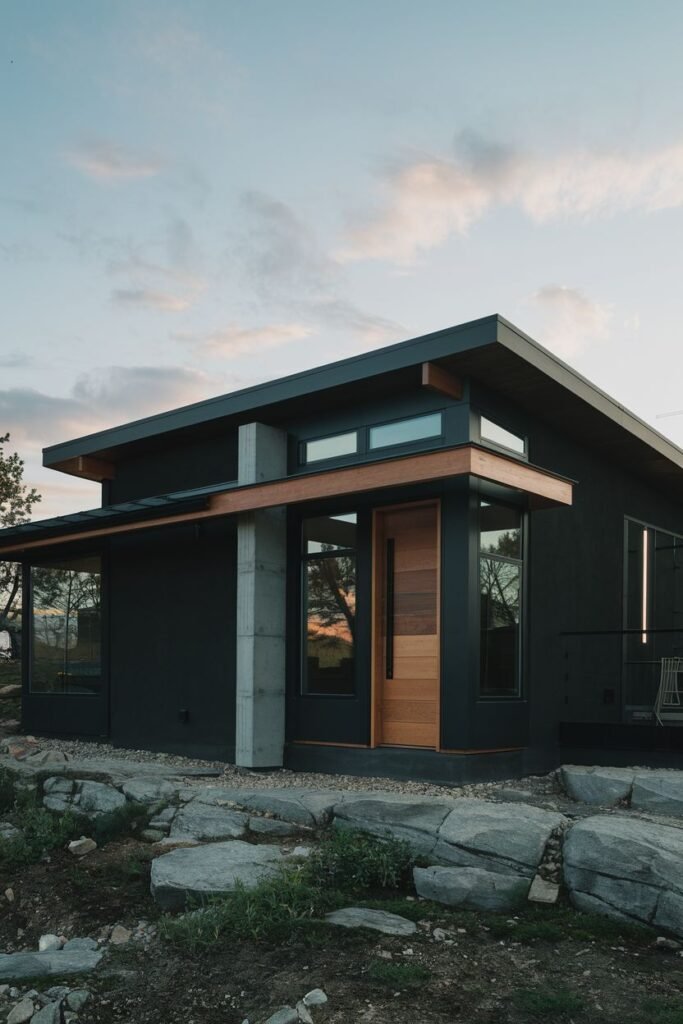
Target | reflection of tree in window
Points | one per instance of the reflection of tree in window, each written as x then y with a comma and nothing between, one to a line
500,599
66,633
330,611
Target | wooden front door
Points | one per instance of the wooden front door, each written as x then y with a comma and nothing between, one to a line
406,676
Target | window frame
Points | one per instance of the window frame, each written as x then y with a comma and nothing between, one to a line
406,444
303,446
521,564
499,446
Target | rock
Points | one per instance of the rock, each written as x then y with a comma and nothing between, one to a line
439,935
49,942
500,837
627,868
52,963
471,888
151,835
414,820
9,895
56,785
10,690
4,989
203,822
543,891
302,1013
120,935
286,1015
512,795
377,920
294,804
77,999
21,1013
43,757
271,826
57,804
50,1014
8,831
596,785
658,792
316,997
77,944
80,847
149,791
57,992
661,942
96,798
210,870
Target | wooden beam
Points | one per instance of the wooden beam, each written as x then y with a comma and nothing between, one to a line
438,379
333,483
87,467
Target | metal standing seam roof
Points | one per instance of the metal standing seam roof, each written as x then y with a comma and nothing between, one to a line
123,512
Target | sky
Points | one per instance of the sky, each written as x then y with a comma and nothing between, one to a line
198,197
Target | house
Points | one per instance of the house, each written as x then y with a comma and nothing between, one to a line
452,558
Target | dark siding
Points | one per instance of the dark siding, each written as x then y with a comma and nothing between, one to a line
172,599
176,467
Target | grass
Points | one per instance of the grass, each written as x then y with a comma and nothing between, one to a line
344,864
41,831
546,1002
657,1010
537,924
385,972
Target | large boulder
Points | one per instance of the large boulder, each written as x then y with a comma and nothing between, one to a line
506,838
206,823
294,804
659,792
198,872
627,868
595,785
60,963
96,798
414,820
471,888
375,920
149,791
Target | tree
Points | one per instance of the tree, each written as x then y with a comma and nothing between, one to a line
16,504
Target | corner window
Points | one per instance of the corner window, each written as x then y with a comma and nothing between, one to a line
332,447
490,431
66,630
417,428
500,588
329,605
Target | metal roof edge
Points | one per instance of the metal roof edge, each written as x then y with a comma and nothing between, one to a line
318,378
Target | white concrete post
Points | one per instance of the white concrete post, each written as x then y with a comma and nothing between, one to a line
261,604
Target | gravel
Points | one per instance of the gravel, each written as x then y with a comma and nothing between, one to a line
545,786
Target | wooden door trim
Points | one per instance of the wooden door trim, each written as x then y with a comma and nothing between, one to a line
376,659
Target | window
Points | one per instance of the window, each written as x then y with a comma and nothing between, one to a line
330,447
490,431
500,587
66,633
417,428
329,605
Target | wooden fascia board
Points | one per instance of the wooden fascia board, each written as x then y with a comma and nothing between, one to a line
443,381
332,483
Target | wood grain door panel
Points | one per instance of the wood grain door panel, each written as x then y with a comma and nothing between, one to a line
406,618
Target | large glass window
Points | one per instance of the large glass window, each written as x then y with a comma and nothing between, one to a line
66,630
417,428
329,604
490,431
331,447
10,623
500,585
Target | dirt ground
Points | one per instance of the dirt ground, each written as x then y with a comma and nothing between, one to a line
481,974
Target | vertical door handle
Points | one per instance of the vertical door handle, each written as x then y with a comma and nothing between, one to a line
389,658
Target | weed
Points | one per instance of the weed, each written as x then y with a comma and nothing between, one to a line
414,910
350,861
40,832
7,789
384,972
657,1010
269,912
545,1002
114,824
559,923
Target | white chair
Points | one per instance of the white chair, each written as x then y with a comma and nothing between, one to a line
667,694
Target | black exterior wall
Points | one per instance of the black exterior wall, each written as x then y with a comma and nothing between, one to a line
172,639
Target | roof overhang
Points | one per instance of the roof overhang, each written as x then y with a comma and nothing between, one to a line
541,488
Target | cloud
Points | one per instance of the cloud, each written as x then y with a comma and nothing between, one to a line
570,321
109,162
165,302
428,199
237,341
14,360
289,270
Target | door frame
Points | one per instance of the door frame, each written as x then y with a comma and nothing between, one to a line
376,636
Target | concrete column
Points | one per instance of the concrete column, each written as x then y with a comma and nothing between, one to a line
261,603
